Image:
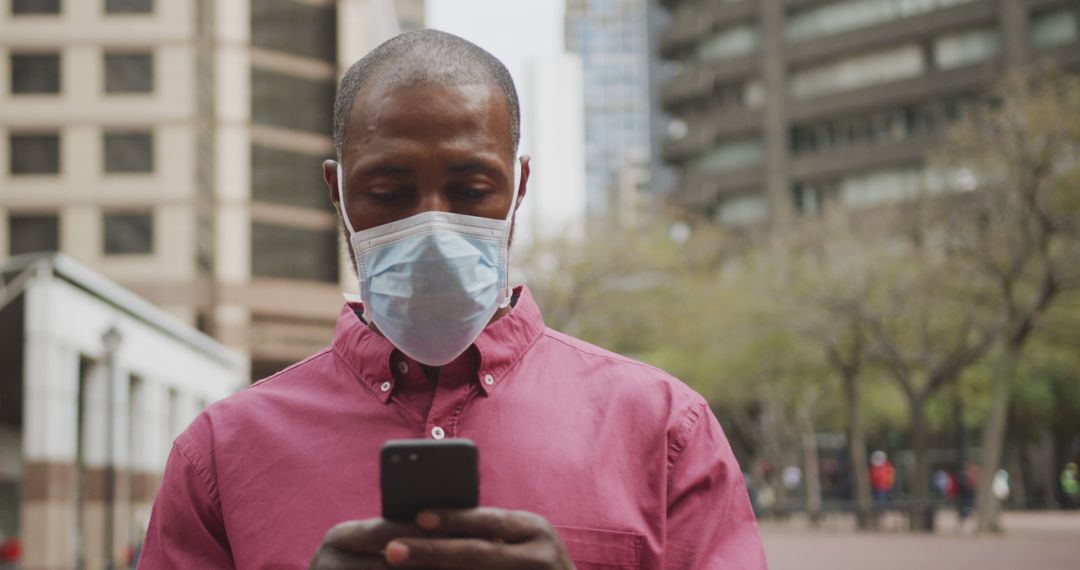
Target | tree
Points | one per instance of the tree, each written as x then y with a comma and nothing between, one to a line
1019,230
820,290
905,308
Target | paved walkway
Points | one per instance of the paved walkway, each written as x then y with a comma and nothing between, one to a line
1032,541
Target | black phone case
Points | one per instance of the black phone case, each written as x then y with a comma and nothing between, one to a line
419,474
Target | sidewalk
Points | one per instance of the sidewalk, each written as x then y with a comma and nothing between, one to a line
1032,540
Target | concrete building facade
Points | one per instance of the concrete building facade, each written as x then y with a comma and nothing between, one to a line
175,146
88,412
781,108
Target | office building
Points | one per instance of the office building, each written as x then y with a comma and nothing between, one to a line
611,36
781,108
175,146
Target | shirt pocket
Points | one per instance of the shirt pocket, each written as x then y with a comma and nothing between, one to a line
594,549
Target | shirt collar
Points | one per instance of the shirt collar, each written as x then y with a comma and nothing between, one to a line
501,345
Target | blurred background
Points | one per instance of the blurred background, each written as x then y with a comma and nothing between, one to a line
853,225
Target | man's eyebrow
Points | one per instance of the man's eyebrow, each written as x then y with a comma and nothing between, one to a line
470,165
387,169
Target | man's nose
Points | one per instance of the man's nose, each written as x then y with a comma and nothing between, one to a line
433,202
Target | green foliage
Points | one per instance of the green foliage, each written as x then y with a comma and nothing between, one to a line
914,302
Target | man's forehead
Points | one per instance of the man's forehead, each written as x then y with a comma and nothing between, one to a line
428,110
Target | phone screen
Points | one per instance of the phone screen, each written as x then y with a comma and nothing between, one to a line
419,474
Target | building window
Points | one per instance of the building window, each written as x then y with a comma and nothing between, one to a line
838,17
35,153
857,72
35,7
733,42
129,6
129,233
727,156
881,127
888,186
129,72
965,48
35,73
296,28
294,253
291,102
33,233
129,152
285,177
1052,29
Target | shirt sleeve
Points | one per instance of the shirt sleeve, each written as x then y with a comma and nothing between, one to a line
710,523
186,529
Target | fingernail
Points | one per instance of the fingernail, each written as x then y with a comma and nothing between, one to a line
427,520
396,553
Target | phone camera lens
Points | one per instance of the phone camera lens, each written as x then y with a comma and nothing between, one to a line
395,458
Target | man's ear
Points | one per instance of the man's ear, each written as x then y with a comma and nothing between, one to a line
523,185
330,173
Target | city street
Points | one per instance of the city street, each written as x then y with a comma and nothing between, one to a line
1042,541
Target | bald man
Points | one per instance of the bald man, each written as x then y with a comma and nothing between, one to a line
587,458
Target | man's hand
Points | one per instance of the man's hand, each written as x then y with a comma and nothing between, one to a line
481,538
359,545
474,538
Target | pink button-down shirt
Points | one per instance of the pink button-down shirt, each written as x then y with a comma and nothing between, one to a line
628,463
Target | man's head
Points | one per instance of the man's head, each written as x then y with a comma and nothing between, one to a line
424,56
426,121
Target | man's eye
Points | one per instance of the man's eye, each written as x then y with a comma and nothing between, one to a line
472,193
386,194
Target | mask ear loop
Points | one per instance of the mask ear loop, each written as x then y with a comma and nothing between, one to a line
348,224
341,199
509,294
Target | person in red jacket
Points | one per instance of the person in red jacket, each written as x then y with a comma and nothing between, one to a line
882,476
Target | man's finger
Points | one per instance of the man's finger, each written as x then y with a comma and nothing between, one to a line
367,536
483,522
449,553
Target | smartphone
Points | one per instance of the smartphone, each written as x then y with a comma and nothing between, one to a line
419,474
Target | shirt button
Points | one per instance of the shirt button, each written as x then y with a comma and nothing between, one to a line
403,367
437,432
489,379
385,387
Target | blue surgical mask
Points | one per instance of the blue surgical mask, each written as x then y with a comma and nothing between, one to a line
431,282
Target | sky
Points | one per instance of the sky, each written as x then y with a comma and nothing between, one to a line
513,30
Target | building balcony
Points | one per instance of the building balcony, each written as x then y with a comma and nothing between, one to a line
915,28
834,163
695,21
703,132
704,190
684,29
929,86
697,81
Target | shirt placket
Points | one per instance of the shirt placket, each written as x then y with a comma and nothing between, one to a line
452,393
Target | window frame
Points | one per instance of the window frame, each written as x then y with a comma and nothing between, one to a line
126,132
123,12
128,53
56,134
12,216
16,12
148,213
13,84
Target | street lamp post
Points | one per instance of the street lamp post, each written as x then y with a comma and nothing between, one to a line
111,340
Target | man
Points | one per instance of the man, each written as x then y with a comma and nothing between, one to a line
586,458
